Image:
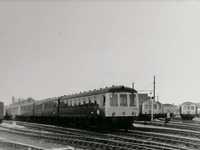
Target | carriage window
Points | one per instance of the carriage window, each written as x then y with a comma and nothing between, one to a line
92,100
88,100
72,102
113,100
132,100
192,107
78,101
66,103
123,100
104,100
154,106
75,102
95,98
81,101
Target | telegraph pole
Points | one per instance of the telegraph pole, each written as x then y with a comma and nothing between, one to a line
154,96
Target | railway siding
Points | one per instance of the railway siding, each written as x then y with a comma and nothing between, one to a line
103,142
144,137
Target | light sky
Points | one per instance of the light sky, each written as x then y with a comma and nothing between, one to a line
52,48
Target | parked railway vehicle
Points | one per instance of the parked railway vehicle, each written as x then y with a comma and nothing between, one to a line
113,107
159,110
171,109
146,110
1,111
198,109
188,110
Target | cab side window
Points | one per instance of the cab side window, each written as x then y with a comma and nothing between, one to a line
104,100
192,107
132,100
113,100
123,100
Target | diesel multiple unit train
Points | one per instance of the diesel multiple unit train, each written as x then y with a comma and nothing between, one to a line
188,110
111,107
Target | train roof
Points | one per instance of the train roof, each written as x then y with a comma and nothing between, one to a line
150,101
91,92
187,103
101,91
46,100
88,93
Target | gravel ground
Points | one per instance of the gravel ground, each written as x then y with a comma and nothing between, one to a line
28,140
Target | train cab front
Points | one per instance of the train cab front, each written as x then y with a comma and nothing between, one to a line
122,109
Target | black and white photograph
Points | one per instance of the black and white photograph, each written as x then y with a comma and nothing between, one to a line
99,75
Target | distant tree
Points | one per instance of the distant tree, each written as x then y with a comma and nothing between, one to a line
30,99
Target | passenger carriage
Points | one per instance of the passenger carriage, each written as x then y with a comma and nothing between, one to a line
108,107
172,109
188,110
146,110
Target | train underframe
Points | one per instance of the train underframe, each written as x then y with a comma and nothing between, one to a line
187,116
147,117
97,122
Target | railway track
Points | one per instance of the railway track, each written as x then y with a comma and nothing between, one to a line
176,125
130,140
172,140
89,142
186,122
172,131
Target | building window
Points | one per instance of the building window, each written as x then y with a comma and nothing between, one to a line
123,100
